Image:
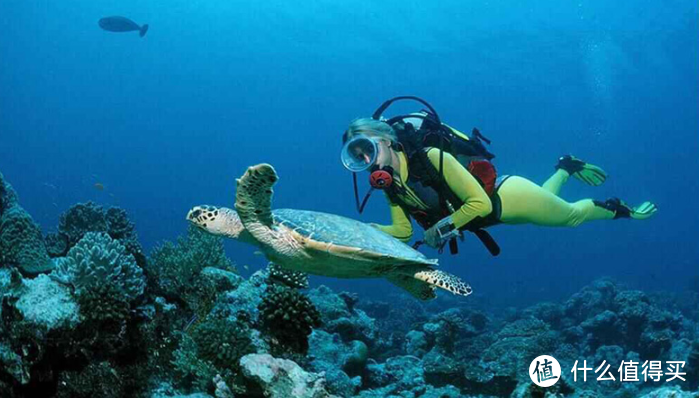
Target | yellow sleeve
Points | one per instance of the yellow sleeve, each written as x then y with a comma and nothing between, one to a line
402,228
465,186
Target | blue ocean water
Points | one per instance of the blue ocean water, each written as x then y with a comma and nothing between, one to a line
169,121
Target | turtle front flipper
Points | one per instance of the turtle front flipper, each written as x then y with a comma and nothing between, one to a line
253,198
444,280
253,202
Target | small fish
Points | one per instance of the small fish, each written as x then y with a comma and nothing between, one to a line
258,253
99,186
46,184
121,24
246,267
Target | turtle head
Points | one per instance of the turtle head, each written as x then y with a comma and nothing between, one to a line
216,220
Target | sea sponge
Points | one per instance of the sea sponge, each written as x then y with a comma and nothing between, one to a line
21,242
290,278
98,259
289,316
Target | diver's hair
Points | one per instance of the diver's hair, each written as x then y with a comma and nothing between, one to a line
371,128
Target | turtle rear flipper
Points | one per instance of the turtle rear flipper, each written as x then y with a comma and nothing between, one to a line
418,289
444,280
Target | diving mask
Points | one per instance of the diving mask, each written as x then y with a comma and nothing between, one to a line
360,153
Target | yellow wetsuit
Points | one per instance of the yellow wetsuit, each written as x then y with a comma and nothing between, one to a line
522,200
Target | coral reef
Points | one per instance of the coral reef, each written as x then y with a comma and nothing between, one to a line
174,269
91,217
81,219
184,324
96,260
21,242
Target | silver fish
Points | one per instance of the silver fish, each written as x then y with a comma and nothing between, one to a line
122,24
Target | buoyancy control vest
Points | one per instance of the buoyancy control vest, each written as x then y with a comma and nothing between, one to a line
427,182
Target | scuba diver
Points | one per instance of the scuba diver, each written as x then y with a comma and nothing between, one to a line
445,180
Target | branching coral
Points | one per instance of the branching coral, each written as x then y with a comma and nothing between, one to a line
290,278
289,316
96,260
174,268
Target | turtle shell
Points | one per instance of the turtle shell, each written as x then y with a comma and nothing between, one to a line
343,231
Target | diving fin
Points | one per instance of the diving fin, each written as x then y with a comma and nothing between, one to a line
585,172
622,210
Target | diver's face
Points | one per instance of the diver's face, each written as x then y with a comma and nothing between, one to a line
384,157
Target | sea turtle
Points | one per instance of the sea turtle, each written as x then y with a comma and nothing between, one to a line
320,243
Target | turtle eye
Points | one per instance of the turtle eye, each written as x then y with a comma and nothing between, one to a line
196,213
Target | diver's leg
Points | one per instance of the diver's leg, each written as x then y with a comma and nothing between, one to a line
556,181
525,202
569,165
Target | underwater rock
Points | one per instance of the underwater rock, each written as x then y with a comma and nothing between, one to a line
416,343
401,373
328,355
442,370
339,316
243,301
282,378
358,327
330,305
21,242
329,351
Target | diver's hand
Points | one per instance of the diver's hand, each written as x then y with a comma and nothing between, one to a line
441,233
